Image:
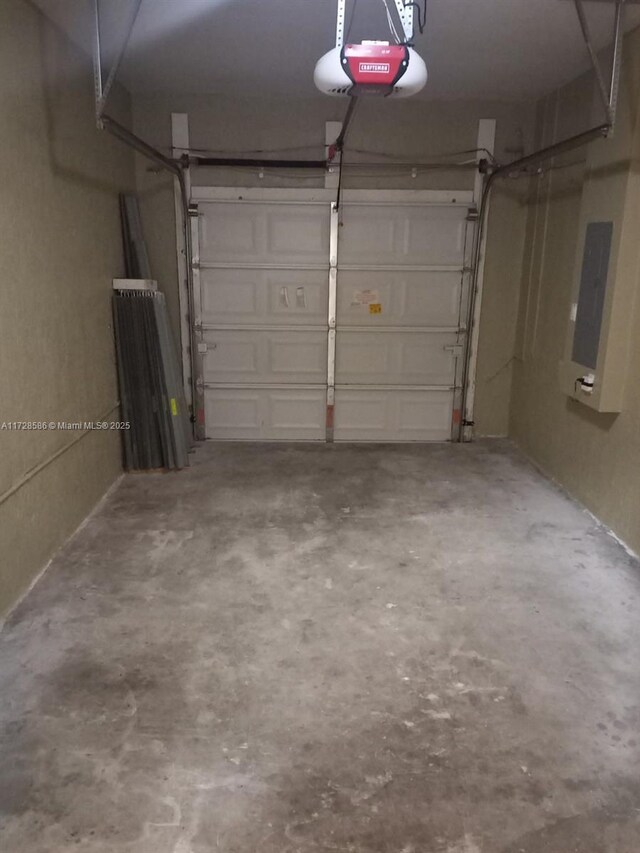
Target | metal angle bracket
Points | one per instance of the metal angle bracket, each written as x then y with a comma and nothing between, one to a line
608,93
340,22
97,65
405,13
456,350
101,88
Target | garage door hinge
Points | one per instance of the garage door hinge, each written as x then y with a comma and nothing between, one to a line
465,422
472,214
454,349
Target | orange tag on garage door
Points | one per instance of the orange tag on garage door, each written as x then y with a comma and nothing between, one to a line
375,308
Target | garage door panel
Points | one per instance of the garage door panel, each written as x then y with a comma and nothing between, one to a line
433,299
228,233
264,307
365,236
435,239
264,297
427,359
361,357
298,234
400,235
395,358
232,413
302,356
372,415
264,234
230,296
257,414
231,356
406,298
298,297
265,357
300,414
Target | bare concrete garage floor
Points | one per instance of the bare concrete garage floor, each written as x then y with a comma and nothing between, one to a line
304,649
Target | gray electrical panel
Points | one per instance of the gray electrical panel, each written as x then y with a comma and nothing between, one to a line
593,284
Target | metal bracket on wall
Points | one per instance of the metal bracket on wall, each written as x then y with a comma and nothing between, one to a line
608,93
609,99
102,89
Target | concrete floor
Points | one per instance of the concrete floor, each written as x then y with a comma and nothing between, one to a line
418,649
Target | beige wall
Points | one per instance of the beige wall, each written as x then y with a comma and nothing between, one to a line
60,247
595,456
412,130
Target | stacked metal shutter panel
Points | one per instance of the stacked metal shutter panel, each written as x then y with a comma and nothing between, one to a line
179,420
150,383
149,373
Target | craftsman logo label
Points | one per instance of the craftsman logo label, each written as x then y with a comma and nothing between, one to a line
375,67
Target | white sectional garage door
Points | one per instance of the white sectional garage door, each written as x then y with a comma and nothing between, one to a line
264,302
355,336
398,343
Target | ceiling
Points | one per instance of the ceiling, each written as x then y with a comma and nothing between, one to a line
474,49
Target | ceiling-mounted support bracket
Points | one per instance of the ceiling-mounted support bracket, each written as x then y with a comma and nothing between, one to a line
618,33
340,22
405,13
97,66
101,88
608,93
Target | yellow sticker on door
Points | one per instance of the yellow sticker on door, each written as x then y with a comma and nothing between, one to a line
174,407
375,308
